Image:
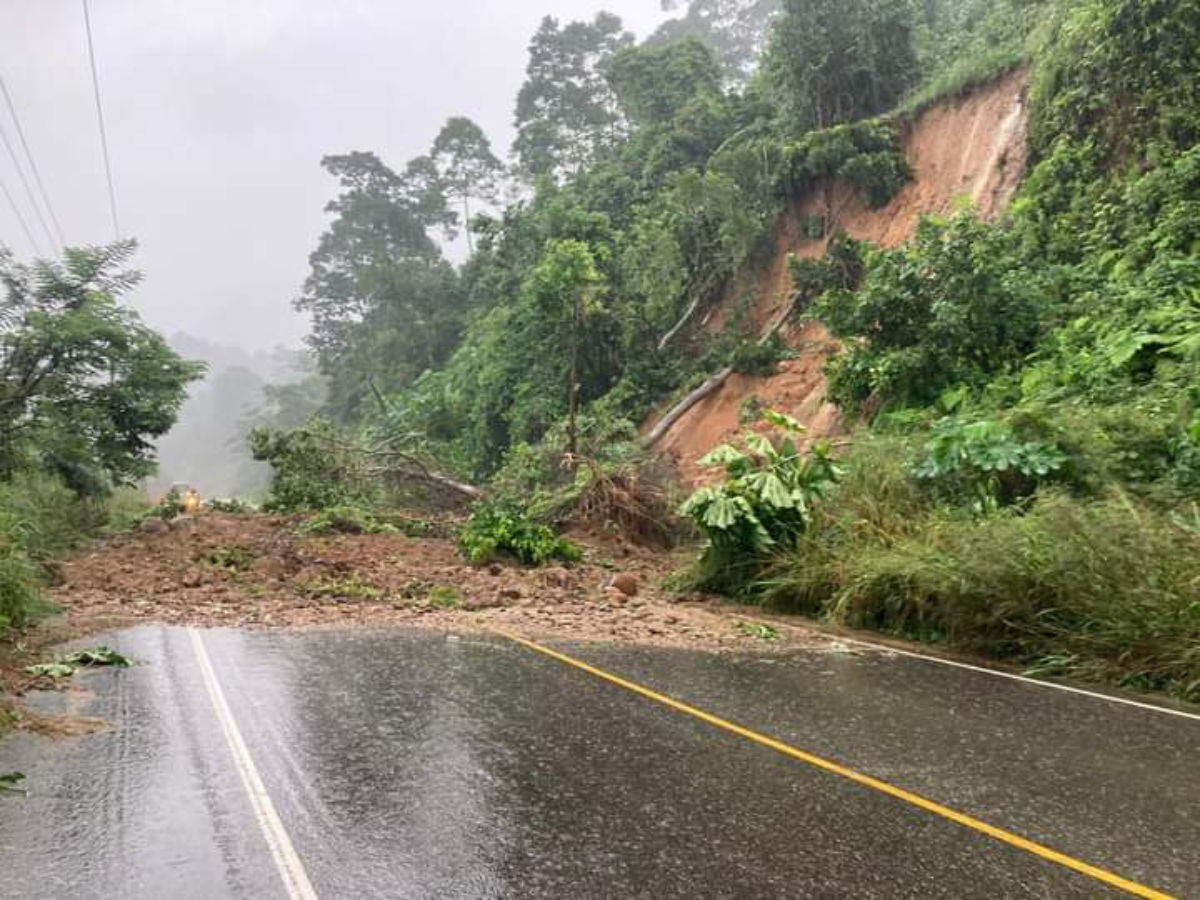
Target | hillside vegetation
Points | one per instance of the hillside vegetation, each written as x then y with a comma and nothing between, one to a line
1022,474
1020,467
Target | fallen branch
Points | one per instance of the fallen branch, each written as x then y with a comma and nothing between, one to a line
680,409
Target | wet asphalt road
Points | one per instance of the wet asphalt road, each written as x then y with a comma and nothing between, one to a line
404,764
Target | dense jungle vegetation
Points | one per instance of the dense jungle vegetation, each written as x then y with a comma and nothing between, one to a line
85,388
1023,477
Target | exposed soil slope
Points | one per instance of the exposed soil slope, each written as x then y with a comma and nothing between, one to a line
971,148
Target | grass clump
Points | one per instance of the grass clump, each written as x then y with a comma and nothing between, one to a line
345,587
345,520
231,559
444,597
1104,588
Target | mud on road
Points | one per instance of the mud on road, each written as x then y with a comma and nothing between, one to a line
259,571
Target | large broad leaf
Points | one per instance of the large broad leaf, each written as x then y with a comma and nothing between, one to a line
784,421
771,489
723,513
759,444
724,455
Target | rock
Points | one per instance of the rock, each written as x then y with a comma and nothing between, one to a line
615,597
184,524
154,526
626,583
495,569
510,593
192,578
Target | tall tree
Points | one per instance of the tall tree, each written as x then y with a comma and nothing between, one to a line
832,61
564,285
85,386
736,29
566,112
384,303
376,225
467,167
654,82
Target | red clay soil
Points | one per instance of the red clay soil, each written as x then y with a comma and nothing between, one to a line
971,148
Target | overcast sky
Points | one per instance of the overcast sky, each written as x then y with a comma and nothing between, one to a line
218,114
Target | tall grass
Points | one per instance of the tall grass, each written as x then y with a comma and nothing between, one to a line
1101,588
40,520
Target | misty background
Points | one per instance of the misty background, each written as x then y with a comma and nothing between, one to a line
218,114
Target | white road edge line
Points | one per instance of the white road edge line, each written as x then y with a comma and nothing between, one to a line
1015,677
291,869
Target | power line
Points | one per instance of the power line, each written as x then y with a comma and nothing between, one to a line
112,194
37,175
20,218
25,182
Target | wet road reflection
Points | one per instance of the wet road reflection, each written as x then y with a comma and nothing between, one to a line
413,765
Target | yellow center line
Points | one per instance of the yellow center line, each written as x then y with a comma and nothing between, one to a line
883,787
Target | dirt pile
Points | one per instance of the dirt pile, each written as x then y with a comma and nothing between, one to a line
257,571
972,147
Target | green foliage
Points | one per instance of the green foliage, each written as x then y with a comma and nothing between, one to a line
230,507
443,596
20,581
964,44
764,503
759,630
1103,589
10,782
987,461
342,587
85,386
566,114
865,154
653,83
231,559
1122,72
309,470
950,308
760,357
66,666
504,529
835,61
735,29
345,520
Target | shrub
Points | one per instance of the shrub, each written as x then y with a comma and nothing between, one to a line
345,520
986,461
501,529
765,501
309,468
1102,588
953,307
20,583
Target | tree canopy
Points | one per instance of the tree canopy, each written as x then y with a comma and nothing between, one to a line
85,386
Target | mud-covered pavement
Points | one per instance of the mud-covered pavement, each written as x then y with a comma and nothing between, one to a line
258,571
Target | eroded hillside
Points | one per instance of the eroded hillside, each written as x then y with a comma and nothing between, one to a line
971,148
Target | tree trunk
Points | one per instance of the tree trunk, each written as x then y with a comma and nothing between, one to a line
573,393
467,223
680,409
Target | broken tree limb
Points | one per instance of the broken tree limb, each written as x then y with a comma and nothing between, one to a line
715,383
678,327
680,409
